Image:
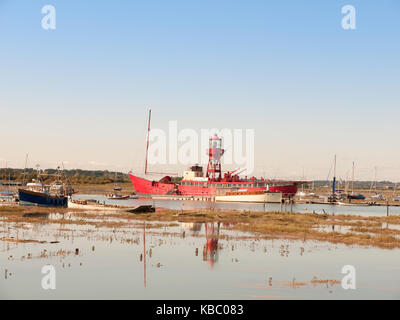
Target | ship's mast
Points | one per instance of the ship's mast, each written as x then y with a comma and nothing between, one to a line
334,177
38,172
26,162
147,151
5,177
352,181
374,182
147,142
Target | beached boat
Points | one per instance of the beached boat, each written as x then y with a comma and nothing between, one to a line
52,195
340,203
95,205
116,196
113,196
356,196
377,197
41,198
116,187
250,196
90,204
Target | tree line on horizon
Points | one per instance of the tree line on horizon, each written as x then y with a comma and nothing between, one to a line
358,184
75,176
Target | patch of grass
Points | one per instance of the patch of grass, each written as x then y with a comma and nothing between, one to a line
11,209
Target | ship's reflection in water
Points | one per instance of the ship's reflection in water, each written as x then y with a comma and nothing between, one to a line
210,250
212,233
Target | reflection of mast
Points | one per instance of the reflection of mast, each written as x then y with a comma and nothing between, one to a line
144,252
210,251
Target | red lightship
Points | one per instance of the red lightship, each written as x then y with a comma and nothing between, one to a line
194,183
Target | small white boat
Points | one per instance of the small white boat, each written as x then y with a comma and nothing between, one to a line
92,205
113,196
96,205
250,196
352,204
377,196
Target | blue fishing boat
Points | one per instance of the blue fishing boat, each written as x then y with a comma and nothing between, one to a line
30,197
52,195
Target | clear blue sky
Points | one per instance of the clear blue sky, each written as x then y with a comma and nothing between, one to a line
287,69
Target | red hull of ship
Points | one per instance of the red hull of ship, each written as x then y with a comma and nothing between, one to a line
147,187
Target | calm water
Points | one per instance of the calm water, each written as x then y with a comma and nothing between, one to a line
185,261
301,208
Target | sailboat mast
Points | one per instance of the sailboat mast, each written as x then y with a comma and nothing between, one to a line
352,181
5,176
334,177
26,162
147,151
147,142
